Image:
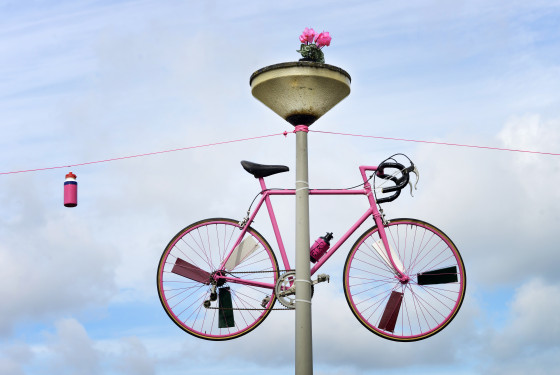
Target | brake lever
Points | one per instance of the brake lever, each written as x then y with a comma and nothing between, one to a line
415,171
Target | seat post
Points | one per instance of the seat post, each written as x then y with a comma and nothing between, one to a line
261,181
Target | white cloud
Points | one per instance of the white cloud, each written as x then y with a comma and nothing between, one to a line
528,343
135,358
13,357
531,133
8,366
72,351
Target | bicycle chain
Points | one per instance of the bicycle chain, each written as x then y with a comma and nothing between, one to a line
259,271
246,308
241,308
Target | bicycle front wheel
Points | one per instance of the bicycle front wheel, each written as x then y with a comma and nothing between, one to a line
412,309
209,310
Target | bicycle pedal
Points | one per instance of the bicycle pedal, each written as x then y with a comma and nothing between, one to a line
321,279
265,301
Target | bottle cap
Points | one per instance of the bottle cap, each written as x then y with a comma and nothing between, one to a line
70,175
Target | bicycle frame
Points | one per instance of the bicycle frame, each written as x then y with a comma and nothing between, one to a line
266,194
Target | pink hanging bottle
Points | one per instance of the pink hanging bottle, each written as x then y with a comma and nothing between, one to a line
70,190
320,247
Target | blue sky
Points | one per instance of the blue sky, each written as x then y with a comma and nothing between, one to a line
91,80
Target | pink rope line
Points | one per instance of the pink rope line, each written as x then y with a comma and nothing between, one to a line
285,133
437,143
146,154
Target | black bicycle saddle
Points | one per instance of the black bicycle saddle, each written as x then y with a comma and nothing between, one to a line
262,170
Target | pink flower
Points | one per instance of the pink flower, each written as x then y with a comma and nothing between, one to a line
307,36
323,39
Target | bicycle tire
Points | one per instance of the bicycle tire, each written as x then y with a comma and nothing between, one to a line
205,244
413,310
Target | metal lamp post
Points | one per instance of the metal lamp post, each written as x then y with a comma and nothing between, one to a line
301,92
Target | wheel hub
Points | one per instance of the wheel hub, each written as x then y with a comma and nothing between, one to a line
404,279
218,276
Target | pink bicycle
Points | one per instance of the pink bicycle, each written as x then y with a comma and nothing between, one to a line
404,279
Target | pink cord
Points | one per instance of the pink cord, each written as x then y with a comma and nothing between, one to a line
437,143
301,128
285,133
140,155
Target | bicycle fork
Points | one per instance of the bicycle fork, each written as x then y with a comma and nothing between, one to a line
382,246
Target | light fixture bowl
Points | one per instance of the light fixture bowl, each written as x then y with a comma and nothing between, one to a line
300,92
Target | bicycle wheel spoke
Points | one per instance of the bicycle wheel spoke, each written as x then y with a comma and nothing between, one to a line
229,245
382,294
371,273
378,305
416,308
443,289
252,264
407,315
171,296
378,285
433,293
241,311
197,251
424,253
421,247
174,289
204,244
197,303
375,304
424,303
413,246
386,268
245,305
247,297
397,242
370,281
185,255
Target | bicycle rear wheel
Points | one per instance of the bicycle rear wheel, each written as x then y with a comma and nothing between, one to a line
186,268
414,309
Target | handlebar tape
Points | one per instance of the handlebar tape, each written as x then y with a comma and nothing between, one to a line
380,170
400,183
389,198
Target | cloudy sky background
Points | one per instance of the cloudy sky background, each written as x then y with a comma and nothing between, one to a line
92,80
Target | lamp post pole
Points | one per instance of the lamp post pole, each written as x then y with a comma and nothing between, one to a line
304,347
301,92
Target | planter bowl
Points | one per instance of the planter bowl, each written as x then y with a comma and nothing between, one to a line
300,92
